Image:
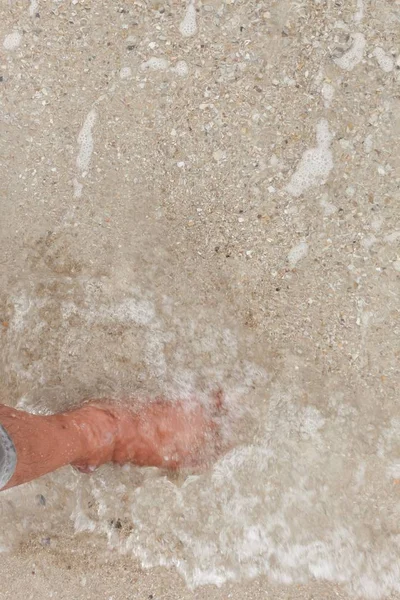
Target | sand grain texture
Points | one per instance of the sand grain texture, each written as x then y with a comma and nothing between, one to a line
201,195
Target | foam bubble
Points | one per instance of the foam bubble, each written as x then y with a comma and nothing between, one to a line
297,253
385,61
146,340
354,55
12,40
125,73
85,141
155,64
188,26
368,241
327,91
78,187
328,207
369,143
22,306
393,237
33,7
295,502
377,223
389,439
315,164
324,136
181,68
228,525
140,312
359,14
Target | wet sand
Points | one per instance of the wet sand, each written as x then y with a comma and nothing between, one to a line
203,196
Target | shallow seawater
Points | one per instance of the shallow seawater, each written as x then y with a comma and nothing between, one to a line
164,167
308,491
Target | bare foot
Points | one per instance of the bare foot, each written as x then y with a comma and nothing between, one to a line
162,434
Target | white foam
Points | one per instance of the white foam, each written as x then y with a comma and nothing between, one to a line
297,253
369,143
328,207
125,73
181,68
354,55
145,339
377,222
154,354
315,164
368,241
78,187
312,420
136,310
227,525
389,438
188,26
359,14
33,7
385,61
12,41
23,404
295,501
393,470
155,64
392,237
85,142
360,475
328,92
22,306
324,136
81,521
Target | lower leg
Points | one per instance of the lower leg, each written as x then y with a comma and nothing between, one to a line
42,443
162,434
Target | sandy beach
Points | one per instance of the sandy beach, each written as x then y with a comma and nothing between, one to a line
197,196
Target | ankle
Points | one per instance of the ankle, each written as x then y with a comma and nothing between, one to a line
97,431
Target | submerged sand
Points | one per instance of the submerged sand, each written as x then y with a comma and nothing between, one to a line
197,196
